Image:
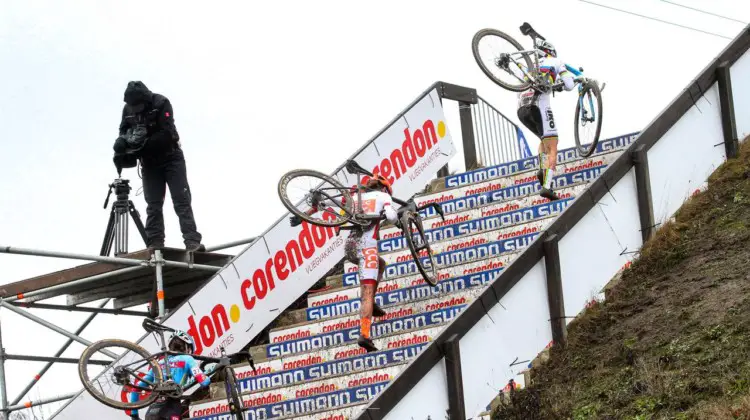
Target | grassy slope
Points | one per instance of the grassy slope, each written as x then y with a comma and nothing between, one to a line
673,340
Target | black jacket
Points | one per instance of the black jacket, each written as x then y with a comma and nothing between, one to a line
154,111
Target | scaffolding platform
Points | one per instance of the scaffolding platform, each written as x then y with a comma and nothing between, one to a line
127,287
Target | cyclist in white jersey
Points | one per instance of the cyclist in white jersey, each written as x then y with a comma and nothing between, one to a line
535,112
361,248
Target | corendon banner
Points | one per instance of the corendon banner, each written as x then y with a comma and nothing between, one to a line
264,279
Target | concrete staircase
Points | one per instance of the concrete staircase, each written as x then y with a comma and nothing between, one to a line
313,369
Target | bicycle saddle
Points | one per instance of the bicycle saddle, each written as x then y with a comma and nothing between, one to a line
526,29
355,168
150,326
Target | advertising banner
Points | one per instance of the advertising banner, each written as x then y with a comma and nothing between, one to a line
563,156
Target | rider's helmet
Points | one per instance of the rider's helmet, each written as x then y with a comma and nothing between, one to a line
547,47
182,342
378,182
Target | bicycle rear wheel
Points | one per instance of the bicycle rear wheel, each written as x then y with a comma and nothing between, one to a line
588,119
411,223
502,61
126,369
301,189
234,397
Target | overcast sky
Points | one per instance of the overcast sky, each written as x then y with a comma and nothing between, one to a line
259,88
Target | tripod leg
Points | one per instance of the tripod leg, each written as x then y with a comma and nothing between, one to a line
108,235
121,235
137,220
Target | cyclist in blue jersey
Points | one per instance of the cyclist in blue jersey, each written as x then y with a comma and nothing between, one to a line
535,111
182,367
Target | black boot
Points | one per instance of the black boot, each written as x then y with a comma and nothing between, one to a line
377,311
193,246
366,344
548,194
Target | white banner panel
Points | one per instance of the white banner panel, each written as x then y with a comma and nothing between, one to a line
681,161
741,94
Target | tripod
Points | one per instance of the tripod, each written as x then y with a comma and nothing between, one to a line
117,228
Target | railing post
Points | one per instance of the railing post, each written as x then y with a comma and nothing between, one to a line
555,291
452,352
465,98
728,122
467,135
643,187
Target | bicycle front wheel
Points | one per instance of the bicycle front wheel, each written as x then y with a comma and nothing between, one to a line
233,393
588,119
502,60
302,189
411,224
126,372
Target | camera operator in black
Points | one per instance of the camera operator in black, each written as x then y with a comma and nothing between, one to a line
162,162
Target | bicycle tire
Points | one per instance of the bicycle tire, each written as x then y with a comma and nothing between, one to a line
428,273
282,191
475,51
89,351
582,149
234,395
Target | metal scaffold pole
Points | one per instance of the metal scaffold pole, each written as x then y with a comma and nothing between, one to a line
159,282
30,404
113,260
3,390
59,353
52,326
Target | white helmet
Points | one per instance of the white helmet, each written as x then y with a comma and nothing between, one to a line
185,338
547,47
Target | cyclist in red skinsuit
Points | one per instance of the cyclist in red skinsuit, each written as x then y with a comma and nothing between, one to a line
362,249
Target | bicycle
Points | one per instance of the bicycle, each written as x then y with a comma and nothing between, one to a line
531,77
127,376
330,192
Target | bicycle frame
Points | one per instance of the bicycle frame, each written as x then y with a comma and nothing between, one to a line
223,361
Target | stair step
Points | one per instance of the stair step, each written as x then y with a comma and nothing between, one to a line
306,343
523,177
346,300
295,407
332,351
302,390
393,312
489,216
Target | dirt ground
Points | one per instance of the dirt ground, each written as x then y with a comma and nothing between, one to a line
673,339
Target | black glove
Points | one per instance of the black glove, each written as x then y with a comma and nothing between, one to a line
295,220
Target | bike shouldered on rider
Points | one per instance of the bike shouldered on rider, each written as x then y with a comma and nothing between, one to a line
361,248
535,110
182,367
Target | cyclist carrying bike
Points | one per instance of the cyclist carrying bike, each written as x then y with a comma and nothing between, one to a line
182,367
535,111
361,248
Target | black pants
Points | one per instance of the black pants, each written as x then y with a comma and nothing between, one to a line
171,409
531,117
169,170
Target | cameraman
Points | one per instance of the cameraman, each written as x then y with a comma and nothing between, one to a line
148,121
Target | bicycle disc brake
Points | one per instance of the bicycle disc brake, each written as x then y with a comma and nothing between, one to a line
503,61
120,376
